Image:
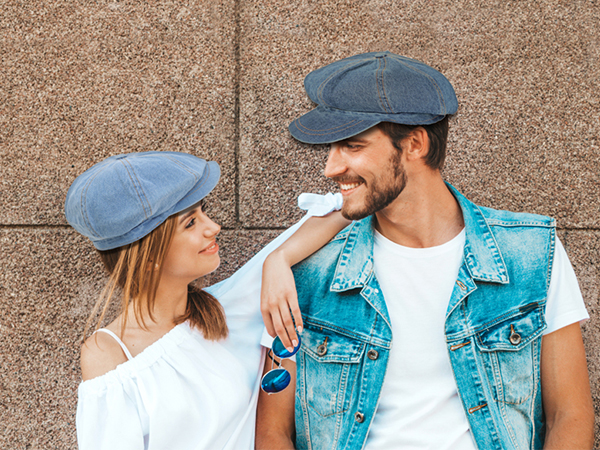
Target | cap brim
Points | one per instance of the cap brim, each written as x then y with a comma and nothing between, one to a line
321,126
325,125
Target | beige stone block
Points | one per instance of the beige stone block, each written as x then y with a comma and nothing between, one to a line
85,80
526,76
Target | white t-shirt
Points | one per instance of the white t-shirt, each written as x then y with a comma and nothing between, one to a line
419,407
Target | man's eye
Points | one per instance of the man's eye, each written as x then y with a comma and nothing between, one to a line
191,222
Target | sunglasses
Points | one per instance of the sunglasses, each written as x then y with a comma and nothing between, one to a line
277,379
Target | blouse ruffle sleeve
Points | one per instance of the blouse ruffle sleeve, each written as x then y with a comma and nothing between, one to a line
108,417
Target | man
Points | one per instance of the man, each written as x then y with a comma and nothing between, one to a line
429,322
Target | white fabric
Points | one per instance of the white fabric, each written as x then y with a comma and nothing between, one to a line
119,341
184,392
565,303
419,406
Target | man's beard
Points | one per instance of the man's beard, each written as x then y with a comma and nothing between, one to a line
380,192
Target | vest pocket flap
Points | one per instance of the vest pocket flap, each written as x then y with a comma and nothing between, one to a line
328,346
513,332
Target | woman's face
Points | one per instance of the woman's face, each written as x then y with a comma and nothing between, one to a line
194,251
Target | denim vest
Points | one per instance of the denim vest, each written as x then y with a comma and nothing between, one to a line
494,325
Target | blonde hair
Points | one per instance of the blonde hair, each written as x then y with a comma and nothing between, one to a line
136,269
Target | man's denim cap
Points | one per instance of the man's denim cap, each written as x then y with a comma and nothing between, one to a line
123,198
356,93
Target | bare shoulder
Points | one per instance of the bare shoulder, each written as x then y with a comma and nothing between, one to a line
100,354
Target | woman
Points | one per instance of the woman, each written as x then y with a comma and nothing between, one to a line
175,369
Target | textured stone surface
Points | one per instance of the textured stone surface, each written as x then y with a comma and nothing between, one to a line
85,80
526,75
48,285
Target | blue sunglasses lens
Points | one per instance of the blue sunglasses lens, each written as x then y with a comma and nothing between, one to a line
275,381
280,351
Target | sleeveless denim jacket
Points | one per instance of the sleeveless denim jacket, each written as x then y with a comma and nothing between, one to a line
493,327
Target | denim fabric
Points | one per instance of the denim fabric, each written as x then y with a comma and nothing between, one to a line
124,197
493,328
356,93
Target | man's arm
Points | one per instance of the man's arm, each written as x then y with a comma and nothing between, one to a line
566,392
275,429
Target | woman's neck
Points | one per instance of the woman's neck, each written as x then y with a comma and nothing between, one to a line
170,303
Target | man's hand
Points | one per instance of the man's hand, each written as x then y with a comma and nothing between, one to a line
566,391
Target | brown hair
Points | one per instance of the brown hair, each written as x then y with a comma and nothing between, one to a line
131,268
437,133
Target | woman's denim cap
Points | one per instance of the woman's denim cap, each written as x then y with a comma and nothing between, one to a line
356,93
123,198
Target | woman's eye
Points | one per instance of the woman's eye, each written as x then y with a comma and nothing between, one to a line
191,222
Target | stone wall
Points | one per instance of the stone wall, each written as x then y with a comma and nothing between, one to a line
82,80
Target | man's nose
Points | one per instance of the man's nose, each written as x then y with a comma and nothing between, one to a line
335,163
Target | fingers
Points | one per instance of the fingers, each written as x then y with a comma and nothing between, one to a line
295,311
289,337
266,315
281,331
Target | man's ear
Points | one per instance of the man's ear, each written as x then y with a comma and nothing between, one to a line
416,145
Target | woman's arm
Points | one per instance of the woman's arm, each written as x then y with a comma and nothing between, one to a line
278,292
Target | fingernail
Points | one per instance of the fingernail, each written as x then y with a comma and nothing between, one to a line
299,329
289,349
295,343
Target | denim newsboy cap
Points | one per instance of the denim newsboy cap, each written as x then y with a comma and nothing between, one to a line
356,93
123,198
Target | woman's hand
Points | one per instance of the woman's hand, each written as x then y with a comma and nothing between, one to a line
279,301
278,297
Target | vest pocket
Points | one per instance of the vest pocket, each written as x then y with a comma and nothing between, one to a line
510,349
329,365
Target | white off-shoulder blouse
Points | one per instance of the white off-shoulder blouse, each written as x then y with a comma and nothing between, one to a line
185,392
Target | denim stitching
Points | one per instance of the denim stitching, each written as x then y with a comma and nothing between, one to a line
338,128
550,258
140,184
134,187
437,88
84,204
304,403
207,169
377,76
501,223
383,87
194,174
495,251
341,69
535,384
345,332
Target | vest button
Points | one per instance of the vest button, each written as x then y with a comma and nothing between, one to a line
322,350
373,354
515,339
359,417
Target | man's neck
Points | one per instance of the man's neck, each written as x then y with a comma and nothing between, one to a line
425,214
